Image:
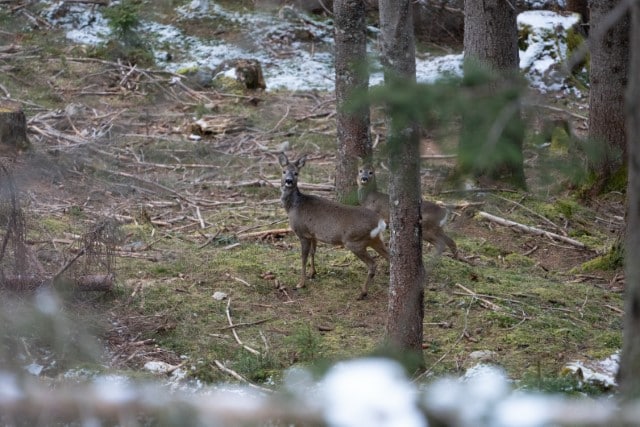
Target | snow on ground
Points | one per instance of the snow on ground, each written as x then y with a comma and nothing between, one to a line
297,65
600,371
369,393
545,47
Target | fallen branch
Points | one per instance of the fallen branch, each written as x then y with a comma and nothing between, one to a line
531,230
239,325
235,334
484,301
264,234
239,377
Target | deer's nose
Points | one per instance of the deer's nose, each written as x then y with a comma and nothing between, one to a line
364,179
288,182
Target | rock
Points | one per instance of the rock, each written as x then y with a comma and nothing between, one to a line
484,355
219,296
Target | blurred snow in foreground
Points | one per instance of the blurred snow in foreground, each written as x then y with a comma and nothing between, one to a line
371,392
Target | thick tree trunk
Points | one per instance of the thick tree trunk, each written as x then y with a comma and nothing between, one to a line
352,79
492,130
630,359
581,7
608,79
407,274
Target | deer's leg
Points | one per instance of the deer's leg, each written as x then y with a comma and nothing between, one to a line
379,246
312,252
436,236
361,252
452,245
305,245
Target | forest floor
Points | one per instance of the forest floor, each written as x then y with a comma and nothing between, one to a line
201,216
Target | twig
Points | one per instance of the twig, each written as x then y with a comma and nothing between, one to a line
202,225
239,377
531,230
235,334
531,211
485,301
265,233
239,325
237,279
561,110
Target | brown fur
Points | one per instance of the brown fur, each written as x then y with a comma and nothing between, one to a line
433,215
315,219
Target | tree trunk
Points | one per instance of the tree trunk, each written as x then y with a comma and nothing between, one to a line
630,358
492,128
581,7
407,275
608,79
352,79
13,128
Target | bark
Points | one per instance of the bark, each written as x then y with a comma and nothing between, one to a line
13,128
492,130
352,79
407,275
630,358
581,7
608,79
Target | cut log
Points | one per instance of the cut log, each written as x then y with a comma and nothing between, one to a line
13,129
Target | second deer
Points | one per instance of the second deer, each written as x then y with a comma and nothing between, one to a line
433,216
315,219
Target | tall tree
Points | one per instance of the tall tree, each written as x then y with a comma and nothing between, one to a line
492,129
630,358
581,7
351,78
407,274
609,46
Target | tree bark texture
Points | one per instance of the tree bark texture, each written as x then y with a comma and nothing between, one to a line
581,7
492,129
352,79
630,358
608,79
491,34
407,275
13,128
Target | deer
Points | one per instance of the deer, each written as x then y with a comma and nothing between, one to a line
316,219
434,216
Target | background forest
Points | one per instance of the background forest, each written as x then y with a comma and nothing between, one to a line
148,271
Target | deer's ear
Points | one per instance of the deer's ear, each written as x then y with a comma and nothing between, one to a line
282,158
301,161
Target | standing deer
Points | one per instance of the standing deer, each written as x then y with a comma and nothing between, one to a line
433,216
314,219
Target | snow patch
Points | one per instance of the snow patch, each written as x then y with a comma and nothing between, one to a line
369,393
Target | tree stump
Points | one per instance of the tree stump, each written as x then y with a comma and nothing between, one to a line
247,71
13,128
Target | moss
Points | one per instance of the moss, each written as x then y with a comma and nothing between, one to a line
227,84
518,260
618,180
560,141
612,260
524,32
